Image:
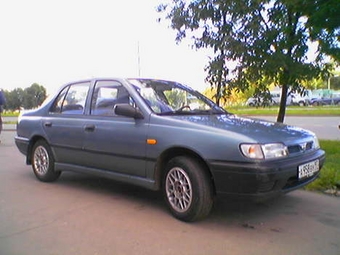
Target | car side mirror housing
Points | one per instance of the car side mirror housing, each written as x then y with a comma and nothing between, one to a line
128,111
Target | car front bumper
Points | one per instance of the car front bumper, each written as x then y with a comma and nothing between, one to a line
262,180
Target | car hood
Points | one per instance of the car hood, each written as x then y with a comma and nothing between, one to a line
259,130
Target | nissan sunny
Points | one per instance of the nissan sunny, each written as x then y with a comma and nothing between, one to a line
165,136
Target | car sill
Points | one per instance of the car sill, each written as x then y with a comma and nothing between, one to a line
135,180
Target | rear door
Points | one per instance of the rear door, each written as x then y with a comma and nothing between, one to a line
65,125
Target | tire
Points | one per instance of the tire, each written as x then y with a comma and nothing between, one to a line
187,189
43,162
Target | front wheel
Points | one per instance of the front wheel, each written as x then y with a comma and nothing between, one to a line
187,189
43,162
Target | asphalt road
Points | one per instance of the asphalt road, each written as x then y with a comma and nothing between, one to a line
326,128
86,215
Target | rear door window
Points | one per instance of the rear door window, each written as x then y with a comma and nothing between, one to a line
71,99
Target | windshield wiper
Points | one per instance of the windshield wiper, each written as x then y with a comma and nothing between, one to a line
210,112
193,112
176,113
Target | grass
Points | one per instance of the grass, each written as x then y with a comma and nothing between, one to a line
329,178
9,114
290,110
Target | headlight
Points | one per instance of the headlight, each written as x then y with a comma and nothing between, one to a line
264,151
316,144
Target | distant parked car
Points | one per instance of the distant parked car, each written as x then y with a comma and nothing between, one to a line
325,101
252,101
162,135
275,98
297,99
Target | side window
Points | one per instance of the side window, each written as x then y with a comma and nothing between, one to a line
71,100
56,108
106,95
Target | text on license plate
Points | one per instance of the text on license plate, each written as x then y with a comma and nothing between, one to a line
308,169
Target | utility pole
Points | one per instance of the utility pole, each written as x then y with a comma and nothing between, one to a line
138,58
329,82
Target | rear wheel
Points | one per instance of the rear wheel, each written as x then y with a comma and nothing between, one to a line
301,103
43,162
187,189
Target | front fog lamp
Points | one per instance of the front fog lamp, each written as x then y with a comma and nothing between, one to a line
264,151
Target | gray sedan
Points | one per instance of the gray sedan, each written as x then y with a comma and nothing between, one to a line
165,136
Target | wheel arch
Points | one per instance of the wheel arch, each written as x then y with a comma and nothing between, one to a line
33,140
171,153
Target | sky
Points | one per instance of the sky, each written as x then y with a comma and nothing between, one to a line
55,42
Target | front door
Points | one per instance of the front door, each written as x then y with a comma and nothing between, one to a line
111,142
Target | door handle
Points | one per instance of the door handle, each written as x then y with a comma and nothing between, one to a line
48,124
89,128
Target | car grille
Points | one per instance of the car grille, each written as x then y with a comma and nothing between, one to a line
297,148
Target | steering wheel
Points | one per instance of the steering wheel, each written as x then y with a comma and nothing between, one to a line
183,107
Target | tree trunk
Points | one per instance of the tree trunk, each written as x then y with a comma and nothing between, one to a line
283,104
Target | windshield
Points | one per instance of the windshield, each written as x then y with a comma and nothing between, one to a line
168,98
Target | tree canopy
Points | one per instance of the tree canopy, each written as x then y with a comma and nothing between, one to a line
27,98
324,23
258,42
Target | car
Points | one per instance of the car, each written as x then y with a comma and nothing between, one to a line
297,99
167,137
274,98
325,101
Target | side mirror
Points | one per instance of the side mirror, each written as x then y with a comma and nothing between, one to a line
128,111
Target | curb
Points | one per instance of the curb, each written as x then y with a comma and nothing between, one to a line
9,127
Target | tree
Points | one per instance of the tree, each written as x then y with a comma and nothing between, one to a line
335,82
33,96
316,83
268,38
235,98
14,99
323,22
27,98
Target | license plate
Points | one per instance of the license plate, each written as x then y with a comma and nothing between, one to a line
308,169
